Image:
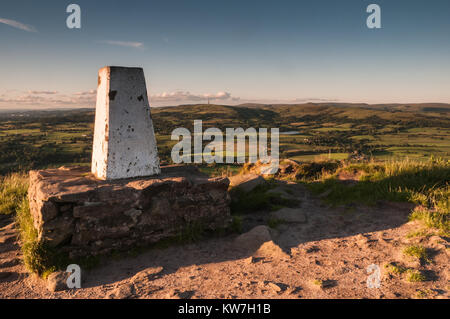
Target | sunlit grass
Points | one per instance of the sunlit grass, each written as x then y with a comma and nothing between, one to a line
13,188
422,183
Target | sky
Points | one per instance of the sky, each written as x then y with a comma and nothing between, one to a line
231,52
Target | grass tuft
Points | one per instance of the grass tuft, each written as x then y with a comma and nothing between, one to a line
236,224
318,282
422,183
274,222
13,188
37,257
419,233
418,252
415,276
395,268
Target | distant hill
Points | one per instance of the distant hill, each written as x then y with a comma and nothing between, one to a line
285,116
408,107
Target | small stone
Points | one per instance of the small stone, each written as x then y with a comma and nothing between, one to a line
276,286
57,281
253,239
253,260
271,250
246,182
122,292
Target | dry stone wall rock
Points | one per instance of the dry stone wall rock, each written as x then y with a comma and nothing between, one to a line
81,215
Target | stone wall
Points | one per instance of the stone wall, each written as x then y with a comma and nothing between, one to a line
81,215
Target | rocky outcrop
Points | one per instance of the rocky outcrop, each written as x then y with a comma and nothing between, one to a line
82,215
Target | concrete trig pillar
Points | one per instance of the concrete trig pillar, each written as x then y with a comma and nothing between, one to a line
124,139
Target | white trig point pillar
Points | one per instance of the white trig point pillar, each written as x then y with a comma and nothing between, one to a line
124,139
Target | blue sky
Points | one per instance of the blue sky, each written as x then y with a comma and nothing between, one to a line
232,51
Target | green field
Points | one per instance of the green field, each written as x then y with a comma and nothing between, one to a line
309,132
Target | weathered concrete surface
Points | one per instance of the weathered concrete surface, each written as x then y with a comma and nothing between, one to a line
81,215
124,139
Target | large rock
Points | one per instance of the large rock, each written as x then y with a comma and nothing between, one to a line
77,213
57,281
253,239
246,182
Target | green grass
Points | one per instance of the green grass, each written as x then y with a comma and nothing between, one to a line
415,276
219,170
37,257
191,232
42,259
423,183
236,224
318,282
412,275
395,268
419,233
274,222
13,188
418,252
421,294
437,217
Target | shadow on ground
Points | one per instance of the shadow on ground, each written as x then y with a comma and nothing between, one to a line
321,222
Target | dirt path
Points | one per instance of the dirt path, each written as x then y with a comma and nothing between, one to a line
323,255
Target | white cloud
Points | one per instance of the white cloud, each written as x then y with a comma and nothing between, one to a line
48,99
85,93
18,25
43,92
124,43
313,100
186,96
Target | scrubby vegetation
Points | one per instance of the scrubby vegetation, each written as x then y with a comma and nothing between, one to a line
422,183
395,268
418,252
37,257
13,189
415,276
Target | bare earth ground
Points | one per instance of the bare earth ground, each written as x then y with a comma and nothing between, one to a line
335,245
